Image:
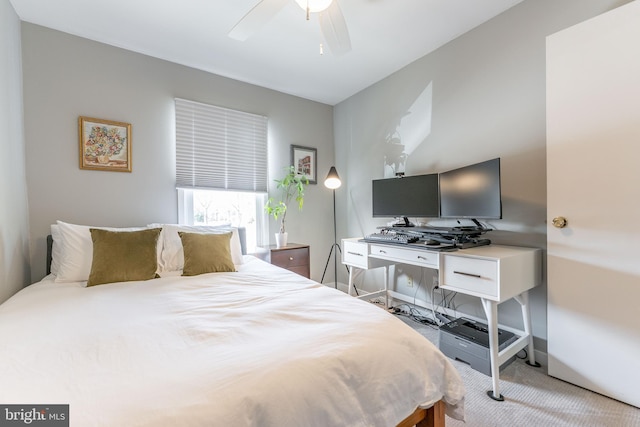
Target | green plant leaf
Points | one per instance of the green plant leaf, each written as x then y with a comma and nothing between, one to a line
291,187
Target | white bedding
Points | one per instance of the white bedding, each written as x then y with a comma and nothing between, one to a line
259,347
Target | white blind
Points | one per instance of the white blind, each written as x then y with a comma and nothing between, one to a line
220,148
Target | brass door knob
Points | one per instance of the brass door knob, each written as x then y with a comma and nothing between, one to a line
560,222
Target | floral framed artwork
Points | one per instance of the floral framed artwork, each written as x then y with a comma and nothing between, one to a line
104,144
304,160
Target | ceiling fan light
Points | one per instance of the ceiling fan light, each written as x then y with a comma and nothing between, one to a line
314,5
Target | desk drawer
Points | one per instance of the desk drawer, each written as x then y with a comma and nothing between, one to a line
355,253
407,256
475,276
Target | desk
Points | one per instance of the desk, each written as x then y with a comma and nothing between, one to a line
492,273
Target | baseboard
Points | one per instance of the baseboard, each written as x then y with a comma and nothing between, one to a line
344,287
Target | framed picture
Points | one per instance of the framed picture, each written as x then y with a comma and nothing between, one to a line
304,160
104,144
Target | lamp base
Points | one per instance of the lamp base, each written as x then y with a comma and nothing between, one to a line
331,252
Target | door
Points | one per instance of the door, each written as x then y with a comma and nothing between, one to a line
593,180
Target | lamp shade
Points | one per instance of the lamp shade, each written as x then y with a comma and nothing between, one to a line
333,180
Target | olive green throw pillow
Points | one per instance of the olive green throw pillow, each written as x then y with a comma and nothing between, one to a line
206,253
123,256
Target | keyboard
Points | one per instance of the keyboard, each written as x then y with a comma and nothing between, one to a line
391,238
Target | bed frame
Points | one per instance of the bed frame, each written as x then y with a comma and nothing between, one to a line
49,252
429,417
421,417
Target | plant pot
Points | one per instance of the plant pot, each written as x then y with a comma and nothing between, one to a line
281,239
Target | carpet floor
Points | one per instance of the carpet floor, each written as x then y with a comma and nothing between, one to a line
532,398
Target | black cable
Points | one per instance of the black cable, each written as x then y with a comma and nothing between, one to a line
443,297
451,297
415,315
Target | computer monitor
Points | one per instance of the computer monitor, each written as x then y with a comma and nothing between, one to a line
472,191
408,196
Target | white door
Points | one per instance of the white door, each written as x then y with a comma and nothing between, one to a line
593,180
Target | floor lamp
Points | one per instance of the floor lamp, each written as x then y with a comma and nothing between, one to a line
332,182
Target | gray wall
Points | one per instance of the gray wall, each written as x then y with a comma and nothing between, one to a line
14,215
479,97
67,76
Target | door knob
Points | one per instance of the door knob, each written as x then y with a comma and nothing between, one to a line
560,222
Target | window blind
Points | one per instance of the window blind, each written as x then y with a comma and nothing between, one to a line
220,148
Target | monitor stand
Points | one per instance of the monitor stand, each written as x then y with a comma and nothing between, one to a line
403,222
472,243
477,227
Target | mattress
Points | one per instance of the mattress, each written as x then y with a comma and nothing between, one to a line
258,347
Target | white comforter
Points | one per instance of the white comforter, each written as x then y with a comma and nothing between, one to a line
260,347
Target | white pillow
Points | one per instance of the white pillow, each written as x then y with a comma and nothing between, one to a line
56,249
76,251
172,258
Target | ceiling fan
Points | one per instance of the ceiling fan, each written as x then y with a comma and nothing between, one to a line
332,23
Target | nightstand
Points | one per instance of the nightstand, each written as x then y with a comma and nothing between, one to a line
293,257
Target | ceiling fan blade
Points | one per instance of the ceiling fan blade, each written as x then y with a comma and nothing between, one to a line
261,13
334,29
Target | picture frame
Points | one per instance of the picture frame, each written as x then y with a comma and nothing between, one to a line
305,162
104,144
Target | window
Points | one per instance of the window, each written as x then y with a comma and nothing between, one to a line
237,208
221,168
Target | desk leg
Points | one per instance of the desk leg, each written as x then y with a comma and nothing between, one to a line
523,300
386,286
491,311
350,287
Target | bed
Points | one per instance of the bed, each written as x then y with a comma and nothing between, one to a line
259,346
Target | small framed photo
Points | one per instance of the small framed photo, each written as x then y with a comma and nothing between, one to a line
104,144
304,160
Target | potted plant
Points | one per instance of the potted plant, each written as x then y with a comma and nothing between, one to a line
291,187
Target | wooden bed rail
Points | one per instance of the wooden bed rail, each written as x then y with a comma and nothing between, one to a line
429,417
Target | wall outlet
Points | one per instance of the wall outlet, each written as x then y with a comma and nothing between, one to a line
410,281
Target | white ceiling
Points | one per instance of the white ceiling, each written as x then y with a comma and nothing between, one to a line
283,55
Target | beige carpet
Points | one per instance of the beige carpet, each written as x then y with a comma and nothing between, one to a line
532,398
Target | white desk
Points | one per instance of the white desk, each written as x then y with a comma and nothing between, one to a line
492,273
